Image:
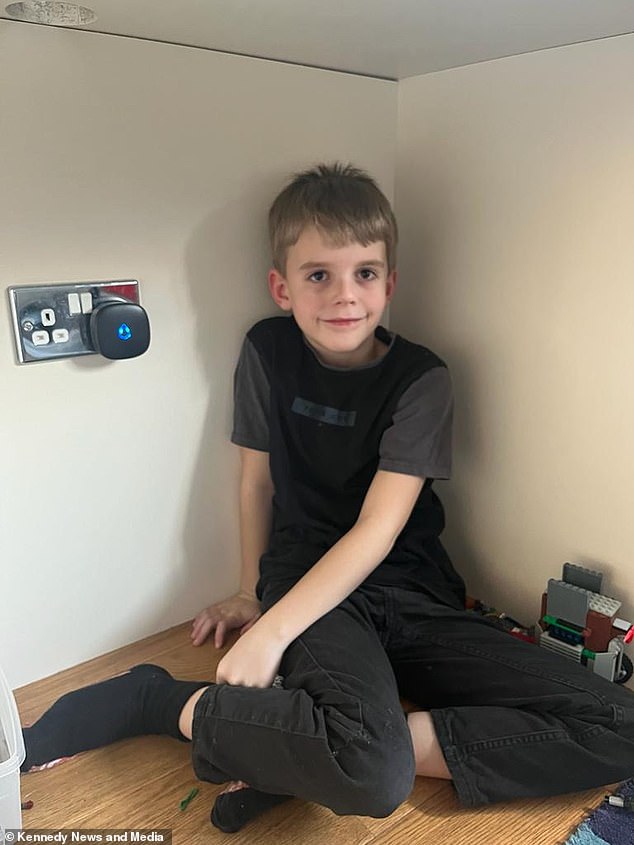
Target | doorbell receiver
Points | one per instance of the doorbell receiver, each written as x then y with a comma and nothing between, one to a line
119,329
58,320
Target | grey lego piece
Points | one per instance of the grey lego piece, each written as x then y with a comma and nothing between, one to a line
567,602
605,664
589,579
621,625
604,604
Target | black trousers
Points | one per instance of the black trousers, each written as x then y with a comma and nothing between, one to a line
513,720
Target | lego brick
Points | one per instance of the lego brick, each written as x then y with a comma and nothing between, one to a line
605,664
567,602
600,631
588,579
604,604
565,636
573,652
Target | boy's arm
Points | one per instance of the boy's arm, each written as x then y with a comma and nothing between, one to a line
387,506
256,508
256,504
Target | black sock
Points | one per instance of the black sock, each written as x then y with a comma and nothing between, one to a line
233,810
145,700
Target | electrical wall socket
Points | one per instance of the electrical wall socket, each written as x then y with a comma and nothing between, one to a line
53,320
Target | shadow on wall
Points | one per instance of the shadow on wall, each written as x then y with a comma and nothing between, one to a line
226,262
457,535
430,256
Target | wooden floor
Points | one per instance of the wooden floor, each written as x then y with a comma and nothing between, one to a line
139,783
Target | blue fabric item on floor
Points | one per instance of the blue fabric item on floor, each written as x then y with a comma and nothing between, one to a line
608,825
584,836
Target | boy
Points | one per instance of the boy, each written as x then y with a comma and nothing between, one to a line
346,591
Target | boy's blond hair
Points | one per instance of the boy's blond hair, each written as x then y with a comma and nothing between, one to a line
344,203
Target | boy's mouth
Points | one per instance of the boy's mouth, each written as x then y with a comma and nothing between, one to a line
346,321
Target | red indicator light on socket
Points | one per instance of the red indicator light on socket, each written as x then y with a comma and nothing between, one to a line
130,292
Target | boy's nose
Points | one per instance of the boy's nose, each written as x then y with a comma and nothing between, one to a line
345,289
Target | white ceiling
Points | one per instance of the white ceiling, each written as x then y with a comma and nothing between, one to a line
387,38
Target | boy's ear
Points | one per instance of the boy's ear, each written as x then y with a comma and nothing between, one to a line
278,288
390,285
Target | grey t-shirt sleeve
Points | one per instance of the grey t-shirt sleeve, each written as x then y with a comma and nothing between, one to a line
419,440
251,401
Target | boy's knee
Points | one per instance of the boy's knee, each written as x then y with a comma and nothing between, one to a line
382,791
378,777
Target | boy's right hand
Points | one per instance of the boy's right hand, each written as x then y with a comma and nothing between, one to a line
239,611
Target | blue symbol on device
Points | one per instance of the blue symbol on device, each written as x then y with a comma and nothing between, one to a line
124,331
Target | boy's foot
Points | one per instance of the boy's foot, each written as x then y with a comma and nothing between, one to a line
145,700
239,803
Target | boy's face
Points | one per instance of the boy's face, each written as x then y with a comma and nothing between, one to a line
337,296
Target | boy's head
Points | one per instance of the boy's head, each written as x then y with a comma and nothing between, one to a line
333,238
342,202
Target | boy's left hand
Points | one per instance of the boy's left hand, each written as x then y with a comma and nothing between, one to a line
253,661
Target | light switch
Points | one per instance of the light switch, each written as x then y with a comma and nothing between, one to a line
86,302
74,306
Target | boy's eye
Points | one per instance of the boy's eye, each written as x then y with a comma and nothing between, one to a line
366,273
317,276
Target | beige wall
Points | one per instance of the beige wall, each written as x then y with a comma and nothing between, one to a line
118,159
515,193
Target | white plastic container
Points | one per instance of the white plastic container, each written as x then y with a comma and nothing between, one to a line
11,758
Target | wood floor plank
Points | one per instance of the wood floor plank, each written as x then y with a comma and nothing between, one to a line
545,821
300,822
117,771
424,790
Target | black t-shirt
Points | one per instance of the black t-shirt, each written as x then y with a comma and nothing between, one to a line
328,430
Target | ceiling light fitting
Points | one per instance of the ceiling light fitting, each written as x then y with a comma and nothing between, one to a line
52,13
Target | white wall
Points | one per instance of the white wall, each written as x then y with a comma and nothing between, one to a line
118,159
515,192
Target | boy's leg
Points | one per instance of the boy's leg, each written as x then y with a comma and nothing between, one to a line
512,719
335,734
145,700
238,803
186,717
430,760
